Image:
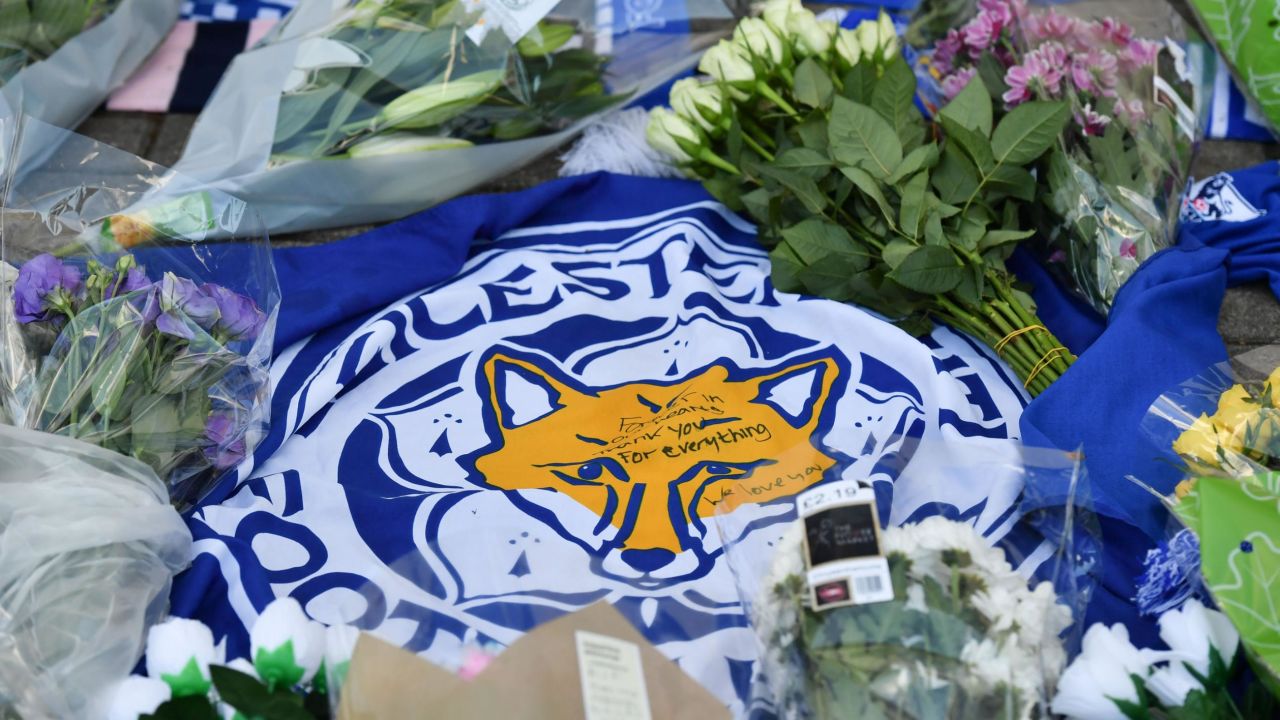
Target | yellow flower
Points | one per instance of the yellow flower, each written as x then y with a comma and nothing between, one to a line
1184,488
1234,408
1274,382
1201,442
1258,432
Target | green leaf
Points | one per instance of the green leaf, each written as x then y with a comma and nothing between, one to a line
804,160
1028,130
913,204
802,186
817,239
929,269
860,83
758,202
974,144
813,87
992,71
189,707
897,250
188,681
871,189
1013,181
955,178
894,98
924,157
813,133
971,108
545,38
859,136
253,699
996,238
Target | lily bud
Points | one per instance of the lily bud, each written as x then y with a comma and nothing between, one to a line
179,652
400,143
759,39
812,36
696,101
440,101
848,47
286,647
666,130
775,13
136,696
726,62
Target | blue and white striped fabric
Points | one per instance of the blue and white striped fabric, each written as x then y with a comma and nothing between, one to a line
236,10
557,422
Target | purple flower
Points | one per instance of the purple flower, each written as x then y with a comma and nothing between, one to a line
957,81
239,316
998,10
946,50
1139,54
1111,31
133,281
181,297
1091,121
1039,71
1050,26
42,279
980,33
226,440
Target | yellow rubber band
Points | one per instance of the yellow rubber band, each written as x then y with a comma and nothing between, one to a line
1009,338
1044,363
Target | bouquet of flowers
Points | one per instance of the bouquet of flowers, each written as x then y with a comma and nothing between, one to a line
134,374
924,620
31,30
813,131
364,94
1108,191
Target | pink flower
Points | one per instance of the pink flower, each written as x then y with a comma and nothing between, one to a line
980,33
998,10
1128,249
1040,71
1138,54
1094,72
957,81
1093,122
946,50
1111,31
1131,112
1058,256
474,661
1050,26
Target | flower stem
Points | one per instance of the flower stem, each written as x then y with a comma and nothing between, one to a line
776,99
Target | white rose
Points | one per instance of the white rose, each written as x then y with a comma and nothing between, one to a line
847,46
775,13
666,130
286,647
697,101
243,665
758,38
888,36
179,652
727,62
812,36
1100,673
868,37
1191,630
136,696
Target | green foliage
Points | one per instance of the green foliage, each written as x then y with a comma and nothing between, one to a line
32,30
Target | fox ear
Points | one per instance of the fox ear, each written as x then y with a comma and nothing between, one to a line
797,392
520,392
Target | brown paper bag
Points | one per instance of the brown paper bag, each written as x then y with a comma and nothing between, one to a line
536,678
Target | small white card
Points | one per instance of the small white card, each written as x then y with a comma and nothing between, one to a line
515,17
612,678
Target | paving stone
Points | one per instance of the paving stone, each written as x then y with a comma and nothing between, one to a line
129,131
170,138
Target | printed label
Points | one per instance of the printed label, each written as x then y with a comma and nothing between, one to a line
842,546
612,678
515,17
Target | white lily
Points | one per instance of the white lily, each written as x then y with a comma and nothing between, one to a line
403,142
1100,675
286,647
439,101
136,696
179,652
1192,629
318,53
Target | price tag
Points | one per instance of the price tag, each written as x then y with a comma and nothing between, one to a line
515,17
842,546
612,678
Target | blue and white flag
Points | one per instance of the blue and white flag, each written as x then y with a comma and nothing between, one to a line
558,422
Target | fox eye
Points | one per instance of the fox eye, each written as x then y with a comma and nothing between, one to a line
590,470
717,469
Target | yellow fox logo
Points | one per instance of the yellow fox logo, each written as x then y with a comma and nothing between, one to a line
651,459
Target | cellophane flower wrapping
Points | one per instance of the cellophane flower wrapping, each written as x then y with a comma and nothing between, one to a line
59,59
370,110
126,326
981,621
1109,194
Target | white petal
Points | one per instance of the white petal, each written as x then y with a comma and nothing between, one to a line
174,642
135,696
1172,683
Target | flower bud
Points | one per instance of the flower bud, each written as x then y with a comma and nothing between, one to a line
665,132
775,13
286,647
868,37
136,696
726,62
888,37
693,100
848,47
179,652
812,36
440,101
399,143
758,39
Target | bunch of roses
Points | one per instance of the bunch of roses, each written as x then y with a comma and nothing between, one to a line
1050,56
1241,438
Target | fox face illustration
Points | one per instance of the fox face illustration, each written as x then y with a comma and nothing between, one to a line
653,459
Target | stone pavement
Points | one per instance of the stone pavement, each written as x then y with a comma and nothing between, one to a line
1250,316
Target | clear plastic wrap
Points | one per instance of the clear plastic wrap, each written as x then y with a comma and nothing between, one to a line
122,327
955,632
60,58
88,546
367,111
1108,196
